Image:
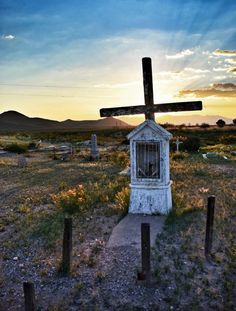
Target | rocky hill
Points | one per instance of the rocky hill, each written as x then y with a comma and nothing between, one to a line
15,121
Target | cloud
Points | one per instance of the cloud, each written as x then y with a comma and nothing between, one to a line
206,53
230,60
216,90
179,75
196,70
187,74
219,69
7,37
219,52
181,54
224,86
232,70
220,78
117,85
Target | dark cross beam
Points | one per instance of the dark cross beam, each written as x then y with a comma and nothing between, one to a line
150,108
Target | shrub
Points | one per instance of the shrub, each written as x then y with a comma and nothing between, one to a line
191,144
220,123
204,125
16,148
230,139
120,158
32,146
72,200
179,156
181,126
122,201
125,142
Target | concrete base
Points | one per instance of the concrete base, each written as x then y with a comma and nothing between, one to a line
150,199
128,231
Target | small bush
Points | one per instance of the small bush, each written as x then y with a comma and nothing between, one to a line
204,125
72,200
125,142
179,156
230,139
32,146
220,123
191,144
120,158
121,205
16,148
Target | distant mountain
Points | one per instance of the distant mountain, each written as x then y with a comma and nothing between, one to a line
192,119
15,121
109,122
179,119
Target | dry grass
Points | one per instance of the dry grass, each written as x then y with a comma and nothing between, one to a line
31,226
187,280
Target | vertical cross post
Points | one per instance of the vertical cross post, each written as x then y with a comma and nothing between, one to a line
148,87
67,246
209,225
145,245
29,294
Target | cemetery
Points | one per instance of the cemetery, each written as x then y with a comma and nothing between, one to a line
145,227
31,233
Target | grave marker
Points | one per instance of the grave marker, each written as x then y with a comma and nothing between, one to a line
177,142
149,150
21,161
94,147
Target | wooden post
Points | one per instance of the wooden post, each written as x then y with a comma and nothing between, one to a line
209,225
148,87
29,294
145,243
159,108
67,246
149,108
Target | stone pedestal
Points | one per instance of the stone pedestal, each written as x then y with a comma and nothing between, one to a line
150,199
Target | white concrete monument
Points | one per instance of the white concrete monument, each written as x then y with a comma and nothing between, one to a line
150,171
149,150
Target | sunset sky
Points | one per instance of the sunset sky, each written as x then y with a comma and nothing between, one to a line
67,59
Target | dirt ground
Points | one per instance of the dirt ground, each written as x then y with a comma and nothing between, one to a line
31,229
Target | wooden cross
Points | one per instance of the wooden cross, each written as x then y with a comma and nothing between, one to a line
150,108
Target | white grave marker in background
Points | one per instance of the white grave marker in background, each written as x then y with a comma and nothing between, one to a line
177,142
94,147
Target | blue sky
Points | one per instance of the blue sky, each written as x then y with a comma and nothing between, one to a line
68,59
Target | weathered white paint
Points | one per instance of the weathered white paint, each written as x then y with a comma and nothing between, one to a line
150,196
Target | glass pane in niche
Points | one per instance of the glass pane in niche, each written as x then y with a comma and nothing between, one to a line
148,160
